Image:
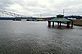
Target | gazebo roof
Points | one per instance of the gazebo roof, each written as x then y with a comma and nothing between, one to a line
60,20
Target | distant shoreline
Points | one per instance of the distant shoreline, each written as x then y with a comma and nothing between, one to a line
77,22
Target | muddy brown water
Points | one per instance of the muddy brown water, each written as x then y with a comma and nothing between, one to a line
21,37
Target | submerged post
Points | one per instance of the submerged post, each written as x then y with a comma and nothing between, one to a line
49,24
68,23
71,23
60,25
53,24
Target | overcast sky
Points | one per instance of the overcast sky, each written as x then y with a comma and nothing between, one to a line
43,7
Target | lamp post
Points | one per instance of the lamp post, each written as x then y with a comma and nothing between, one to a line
63,11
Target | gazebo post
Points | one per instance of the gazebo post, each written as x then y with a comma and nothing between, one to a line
53,24
68,23
49,24
60,25
71,24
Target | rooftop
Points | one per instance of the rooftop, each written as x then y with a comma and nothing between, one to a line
60,19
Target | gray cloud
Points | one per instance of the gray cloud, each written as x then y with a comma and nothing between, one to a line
43,7
5,3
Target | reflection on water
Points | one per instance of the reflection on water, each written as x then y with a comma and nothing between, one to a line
21,37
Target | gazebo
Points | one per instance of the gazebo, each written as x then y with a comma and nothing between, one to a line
60,19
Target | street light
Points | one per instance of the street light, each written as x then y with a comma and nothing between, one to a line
63,11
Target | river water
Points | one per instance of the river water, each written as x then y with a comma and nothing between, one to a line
28,37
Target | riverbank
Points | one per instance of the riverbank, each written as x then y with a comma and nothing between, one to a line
77,22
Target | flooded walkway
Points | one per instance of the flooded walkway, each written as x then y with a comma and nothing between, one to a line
36,38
